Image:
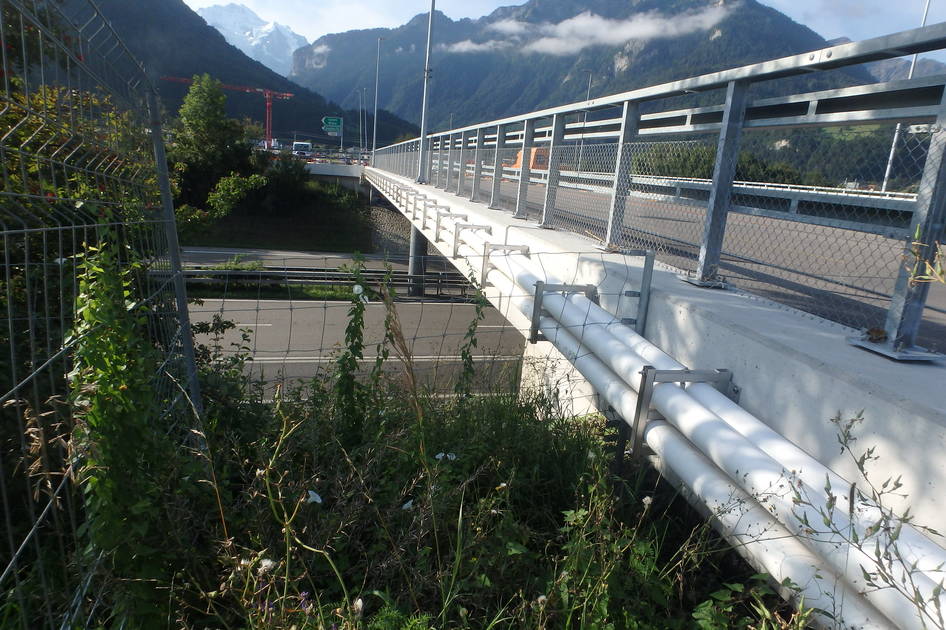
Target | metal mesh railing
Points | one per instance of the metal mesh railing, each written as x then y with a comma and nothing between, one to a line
77,154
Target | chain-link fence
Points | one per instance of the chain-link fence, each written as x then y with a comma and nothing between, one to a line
77,148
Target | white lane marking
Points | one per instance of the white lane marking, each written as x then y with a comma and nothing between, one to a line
420,358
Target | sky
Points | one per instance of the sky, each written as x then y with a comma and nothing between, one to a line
857,19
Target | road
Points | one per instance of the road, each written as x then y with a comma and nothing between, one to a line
841,275
297,341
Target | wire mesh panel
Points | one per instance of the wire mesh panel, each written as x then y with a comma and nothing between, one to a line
505,198
664,198
80,200
824,230
486,158
585,179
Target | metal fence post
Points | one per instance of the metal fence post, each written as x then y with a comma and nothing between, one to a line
630,124
449,177
478,163
525,172
498,166
461,160
720,198
174,253
555,162
929,220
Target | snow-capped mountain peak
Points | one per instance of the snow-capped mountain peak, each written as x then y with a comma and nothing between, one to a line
270,43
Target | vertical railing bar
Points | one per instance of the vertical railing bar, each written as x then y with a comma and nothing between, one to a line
556,143
630,125
525,171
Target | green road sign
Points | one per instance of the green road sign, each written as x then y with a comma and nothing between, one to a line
332,123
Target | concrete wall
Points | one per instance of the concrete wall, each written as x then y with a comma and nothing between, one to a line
347,176
796,371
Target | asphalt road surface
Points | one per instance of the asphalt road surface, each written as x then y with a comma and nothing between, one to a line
841,275
297,341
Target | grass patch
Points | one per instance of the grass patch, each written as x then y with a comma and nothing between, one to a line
270,292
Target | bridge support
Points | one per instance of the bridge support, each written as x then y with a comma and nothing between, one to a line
417,265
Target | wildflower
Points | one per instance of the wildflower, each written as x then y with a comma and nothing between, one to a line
408,505
541,600
501,486
358,608
451,456
266,565
439,456
313,497
647,501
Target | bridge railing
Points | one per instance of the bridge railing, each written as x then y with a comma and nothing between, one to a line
827,201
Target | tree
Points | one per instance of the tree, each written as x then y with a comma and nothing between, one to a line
207,145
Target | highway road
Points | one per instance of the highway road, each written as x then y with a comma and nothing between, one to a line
296,341
842,275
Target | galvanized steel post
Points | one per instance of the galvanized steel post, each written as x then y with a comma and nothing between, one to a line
630,124
449,177
495,190
555,161
525,171
478,163
720,198
927,228
461,160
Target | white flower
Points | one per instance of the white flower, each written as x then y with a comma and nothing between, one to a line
358,608
357,289
647,501
266,565
451,456
541,600
439,456
501,486
408,505
313,497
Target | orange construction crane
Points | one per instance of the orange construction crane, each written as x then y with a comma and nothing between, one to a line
268,96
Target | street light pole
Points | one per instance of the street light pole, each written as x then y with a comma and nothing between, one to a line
377,76
581,140
899,129
422,157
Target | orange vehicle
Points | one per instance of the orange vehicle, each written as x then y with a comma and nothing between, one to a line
539,159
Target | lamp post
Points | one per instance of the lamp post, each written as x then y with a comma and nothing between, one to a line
581,140
899,129
377,76
422,154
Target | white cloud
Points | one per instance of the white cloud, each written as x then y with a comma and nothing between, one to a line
319,56
509,27
469,46
587,29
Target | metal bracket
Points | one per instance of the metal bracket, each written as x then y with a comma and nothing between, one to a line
430,203
885,348
446,213
489,248
714,283
459,227
541,288
651,376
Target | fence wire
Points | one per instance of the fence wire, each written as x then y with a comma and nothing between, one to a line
77,160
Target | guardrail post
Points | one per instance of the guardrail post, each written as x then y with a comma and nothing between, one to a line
927,227
478,163
525,173
498,166
720,198
439,162
461,160
630,125
555,161
449,177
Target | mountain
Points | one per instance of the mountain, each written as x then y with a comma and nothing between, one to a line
539,54
269,43
171,40
899,68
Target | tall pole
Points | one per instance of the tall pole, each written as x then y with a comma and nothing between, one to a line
581,140
377,76
422,172
899,129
